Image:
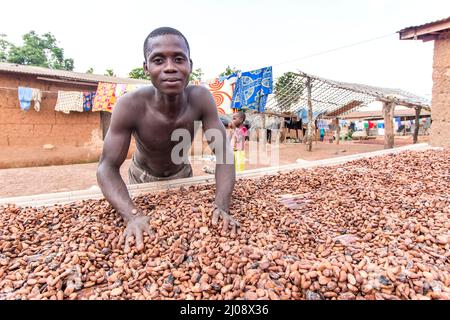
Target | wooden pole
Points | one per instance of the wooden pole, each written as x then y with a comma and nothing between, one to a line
404,128
310,115
388,113
416,127
338,131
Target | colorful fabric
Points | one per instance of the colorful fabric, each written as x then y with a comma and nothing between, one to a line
36,96
88,100
366,125
322,132
252,89
239,160
222,93
380,124
105,97
69,101
25,97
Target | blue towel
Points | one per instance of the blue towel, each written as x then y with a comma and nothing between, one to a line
252,89
25,95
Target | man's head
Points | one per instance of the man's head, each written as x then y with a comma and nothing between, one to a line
167,60
238,119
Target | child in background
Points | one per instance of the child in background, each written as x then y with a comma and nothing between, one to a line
238,134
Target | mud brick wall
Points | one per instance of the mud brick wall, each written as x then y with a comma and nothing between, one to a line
440,129
31,128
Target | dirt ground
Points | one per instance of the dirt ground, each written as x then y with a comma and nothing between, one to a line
49,179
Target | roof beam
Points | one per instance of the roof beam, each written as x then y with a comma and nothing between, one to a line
91,84
413,33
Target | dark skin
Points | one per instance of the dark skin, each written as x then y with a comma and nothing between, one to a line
151,114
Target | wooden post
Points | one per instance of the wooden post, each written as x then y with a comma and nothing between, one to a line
338,131
388,113
404,128
416,127
310,116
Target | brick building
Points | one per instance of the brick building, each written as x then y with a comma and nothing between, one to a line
439,32
77,136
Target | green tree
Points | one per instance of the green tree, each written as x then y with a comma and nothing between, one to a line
40,50
138,73
110,72
288,90
4,48
229,71
196,74
90,70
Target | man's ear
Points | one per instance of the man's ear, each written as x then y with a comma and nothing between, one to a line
144,65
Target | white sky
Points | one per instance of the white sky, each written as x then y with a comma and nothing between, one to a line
246,34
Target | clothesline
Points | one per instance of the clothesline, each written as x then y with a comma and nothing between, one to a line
15,89
44,91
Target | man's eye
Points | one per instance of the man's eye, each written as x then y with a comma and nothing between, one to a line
158,60
179,59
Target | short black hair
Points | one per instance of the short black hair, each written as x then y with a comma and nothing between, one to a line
161,32
242,115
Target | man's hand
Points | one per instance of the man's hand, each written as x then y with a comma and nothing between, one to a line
136,226
228,221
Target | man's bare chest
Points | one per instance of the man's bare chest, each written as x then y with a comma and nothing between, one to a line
157,134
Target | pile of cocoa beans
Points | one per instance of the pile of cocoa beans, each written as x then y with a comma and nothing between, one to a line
375,228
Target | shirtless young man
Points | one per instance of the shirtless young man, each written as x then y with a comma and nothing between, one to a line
151,115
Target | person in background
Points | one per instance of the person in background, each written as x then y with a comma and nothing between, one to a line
238,134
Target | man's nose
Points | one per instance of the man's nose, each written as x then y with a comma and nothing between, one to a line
170,66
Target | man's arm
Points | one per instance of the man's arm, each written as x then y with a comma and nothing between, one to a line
225,171
115,149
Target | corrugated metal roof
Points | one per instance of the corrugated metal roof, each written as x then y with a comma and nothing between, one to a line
66,75
425,25
331,96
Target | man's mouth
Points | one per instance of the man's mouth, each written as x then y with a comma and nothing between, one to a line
172,80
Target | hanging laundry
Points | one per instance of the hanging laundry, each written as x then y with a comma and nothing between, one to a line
69,101
36,96
121,89
25,97
366,125
252,89
104,97
322,124
359,125
88,100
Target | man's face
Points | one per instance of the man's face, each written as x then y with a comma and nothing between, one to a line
168,63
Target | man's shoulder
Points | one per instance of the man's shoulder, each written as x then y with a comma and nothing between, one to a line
197,91
135,98
199,96
139,94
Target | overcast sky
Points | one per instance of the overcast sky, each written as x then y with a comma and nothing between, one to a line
244,34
